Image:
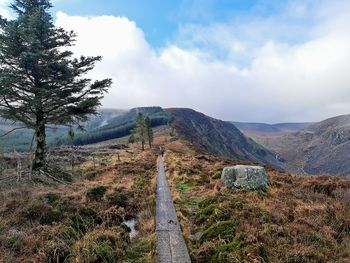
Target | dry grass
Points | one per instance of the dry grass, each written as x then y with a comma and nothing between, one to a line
299,219
82,222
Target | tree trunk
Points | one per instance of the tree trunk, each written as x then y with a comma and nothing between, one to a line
40,134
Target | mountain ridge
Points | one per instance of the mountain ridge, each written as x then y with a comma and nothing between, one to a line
219,137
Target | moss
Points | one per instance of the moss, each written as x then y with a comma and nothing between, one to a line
211,200
183,186
221,230
212,214
194,202
96,193
238,204
230,252
141,250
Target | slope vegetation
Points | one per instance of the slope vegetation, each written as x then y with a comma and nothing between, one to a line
299,219
323,147
219,137
271,128
122,125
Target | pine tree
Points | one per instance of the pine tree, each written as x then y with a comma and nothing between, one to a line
40,81
132,138
140,130
149,131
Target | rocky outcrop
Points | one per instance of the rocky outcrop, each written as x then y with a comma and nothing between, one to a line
246,177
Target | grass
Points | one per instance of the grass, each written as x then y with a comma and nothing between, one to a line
300,219
183,186
83,222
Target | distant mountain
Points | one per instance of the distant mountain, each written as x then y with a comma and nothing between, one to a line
219,137
323,147
271,128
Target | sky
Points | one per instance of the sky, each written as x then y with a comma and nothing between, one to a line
245,60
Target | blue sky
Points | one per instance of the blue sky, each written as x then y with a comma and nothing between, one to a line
161,19
246,60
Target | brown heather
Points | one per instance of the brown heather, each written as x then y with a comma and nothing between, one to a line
300,219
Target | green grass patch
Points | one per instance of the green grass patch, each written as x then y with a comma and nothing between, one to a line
184,187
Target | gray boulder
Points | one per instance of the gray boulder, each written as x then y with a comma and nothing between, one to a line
246,177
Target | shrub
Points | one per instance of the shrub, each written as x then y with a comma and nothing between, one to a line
119,198
33,211
50,215
102,246
38,211
96,193
13,243
55,250
84,219
50,198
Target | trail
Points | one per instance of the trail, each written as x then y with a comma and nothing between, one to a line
171,246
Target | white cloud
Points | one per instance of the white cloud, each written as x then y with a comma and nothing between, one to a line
4,11
292,66
262,77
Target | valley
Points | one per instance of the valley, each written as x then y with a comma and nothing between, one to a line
319,148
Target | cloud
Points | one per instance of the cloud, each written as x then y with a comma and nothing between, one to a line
292,65
4,11
253,70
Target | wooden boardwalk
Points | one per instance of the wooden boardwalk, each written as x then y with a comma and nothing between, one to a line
171,246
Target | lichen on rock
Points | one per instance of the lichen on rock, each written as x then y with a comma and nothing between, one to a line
245,177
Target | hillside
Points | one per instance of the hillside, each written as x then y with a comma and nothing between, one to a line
270,128
109,124
322,148
219,137
299,219
122,125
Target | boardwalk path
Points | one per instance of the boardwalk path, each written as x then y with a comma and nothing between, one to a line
171,245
